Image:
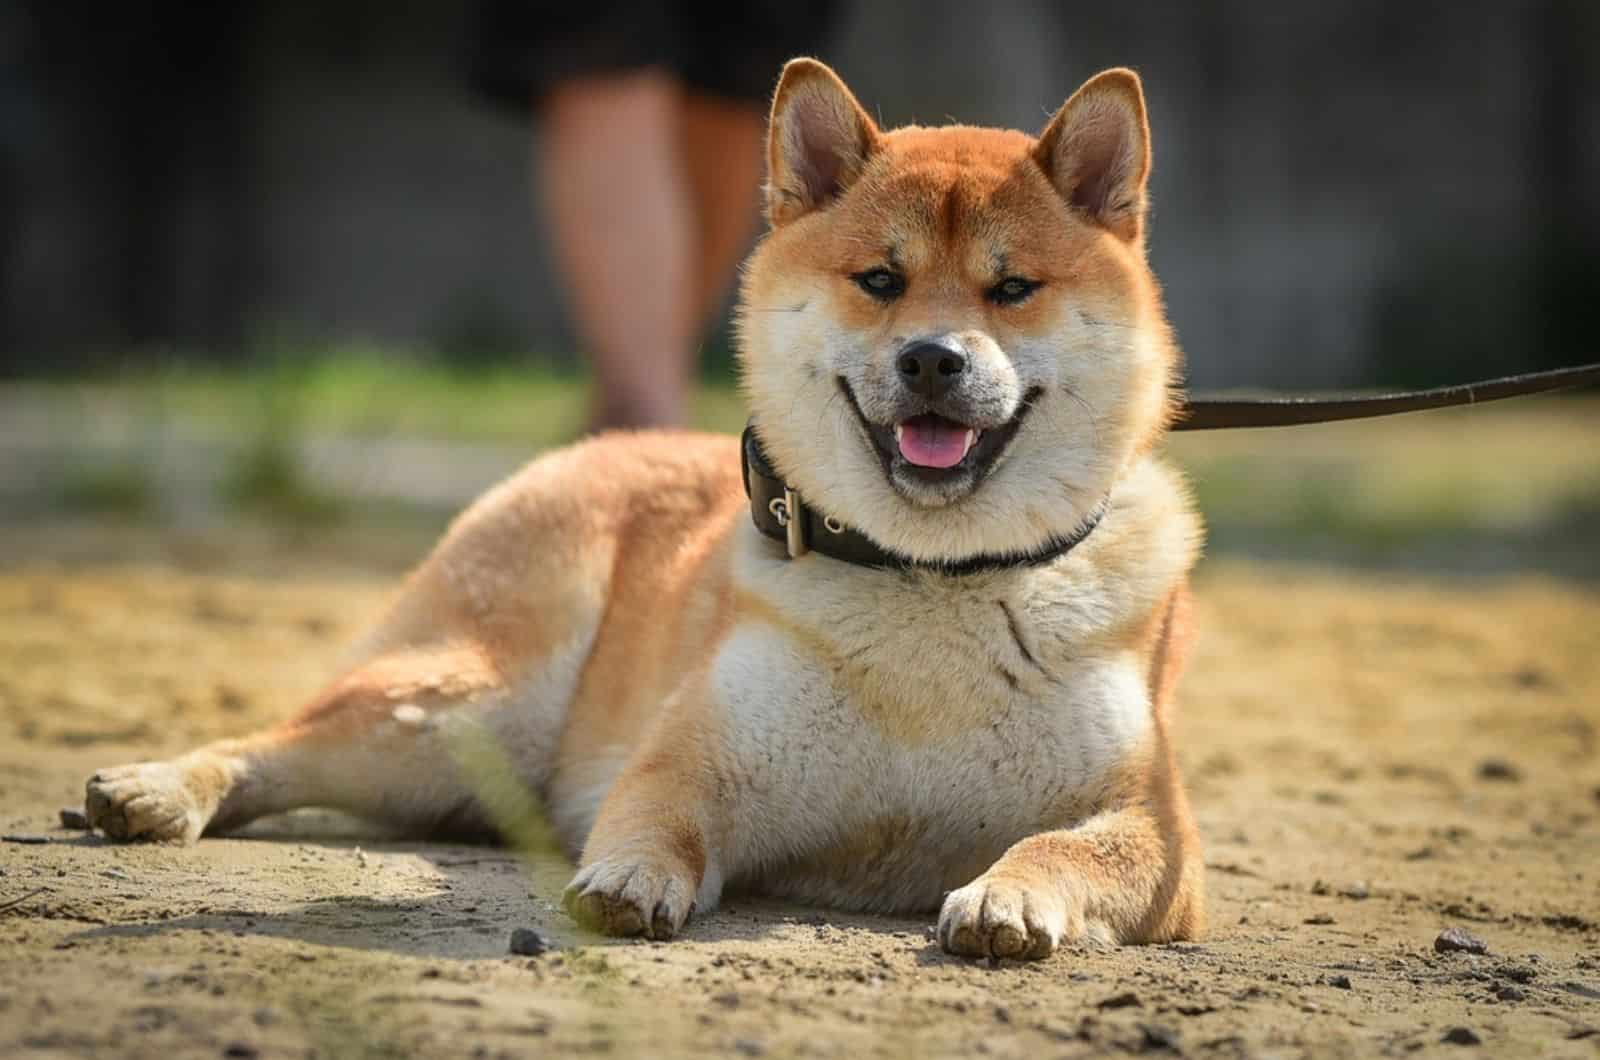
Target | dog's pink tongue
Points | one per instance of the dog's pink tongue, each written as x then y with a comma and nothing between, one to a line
931,442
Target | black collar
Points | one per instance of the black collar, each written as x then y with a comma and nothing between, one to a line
781,514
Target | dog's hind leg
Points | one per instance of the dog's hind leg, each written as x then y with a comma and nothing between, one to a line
427,740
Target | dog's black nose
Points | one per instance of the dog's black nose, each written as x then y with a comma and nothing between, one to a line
932,367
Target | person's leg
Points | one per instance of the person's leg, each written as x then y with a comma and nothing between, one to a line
622,216
722,151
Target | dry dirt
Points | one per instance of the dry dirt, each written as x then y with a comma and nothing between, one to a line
1373,759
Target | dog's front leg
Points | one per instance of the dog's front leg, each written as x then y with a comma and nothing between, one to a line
646,857
1127,875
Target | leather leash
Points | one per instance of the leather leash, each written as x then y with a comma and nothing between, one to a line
1222,413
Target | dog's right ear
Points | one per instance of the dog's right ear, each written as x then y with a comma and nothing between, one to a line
818,140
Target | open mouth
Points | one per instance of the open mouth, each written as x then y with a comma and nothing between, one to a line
934,449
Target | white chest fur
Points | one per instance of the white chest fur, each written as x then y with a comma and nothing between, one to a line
886,736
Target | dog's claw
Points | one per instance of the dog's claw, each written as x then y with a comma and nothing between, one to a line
629,897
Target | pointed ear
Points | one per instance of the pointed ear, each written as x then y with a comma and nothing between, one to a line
818,140
1096,151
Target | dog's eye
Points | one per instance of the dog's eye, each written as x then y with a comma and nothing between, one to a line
1012,289
881,283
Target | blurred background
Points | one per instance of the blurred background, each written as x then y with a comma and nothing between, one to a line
275,257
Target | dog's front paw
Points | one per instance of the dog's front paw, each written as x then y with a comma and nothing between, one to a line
1002,918
629,895
150,800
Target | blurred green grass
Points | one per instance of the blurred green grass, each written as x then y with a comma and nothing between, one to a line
362,390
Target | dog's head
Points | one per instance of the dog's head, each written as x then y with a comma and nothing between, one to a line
950,337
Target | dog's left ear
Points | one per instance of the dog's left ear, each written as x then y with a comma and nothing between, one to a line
818,141
1096,151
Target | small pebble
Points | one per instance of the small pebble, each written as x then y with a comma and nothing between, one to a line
1461,1036
1157,1038
1454,940
1127,999
526,942
1498,769
74,818
1320,918
241,1051
1511,993
1341,981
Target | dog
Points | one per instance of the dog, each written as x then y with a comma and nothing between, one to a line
955,356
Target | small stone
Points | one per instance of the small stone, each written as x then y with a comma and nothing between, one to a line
1498,769
1002,1014
1341,981
526,942
1359,891
1454,940
1127,999
749,1047
241,1051
74,818
1320,918
1511,993
1516,973
1154,1038
1461,1036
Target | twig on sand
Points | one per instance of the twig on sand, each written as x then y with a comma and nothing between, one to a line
18,901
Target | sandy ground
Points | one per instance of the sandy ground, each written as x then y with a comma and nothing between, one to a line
1373,759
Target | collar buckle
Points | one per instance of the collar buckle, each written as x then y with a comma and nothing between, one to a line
794,525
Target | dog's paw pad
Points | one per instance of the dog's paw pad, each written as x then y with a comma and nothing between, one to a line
1001,918
145,801
630,896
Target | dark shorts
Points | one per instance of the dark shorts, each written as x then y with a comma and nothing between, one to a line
523,49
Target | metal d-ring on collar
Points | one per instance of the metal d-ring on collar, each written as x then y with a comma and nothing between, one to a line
780,513
794,538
